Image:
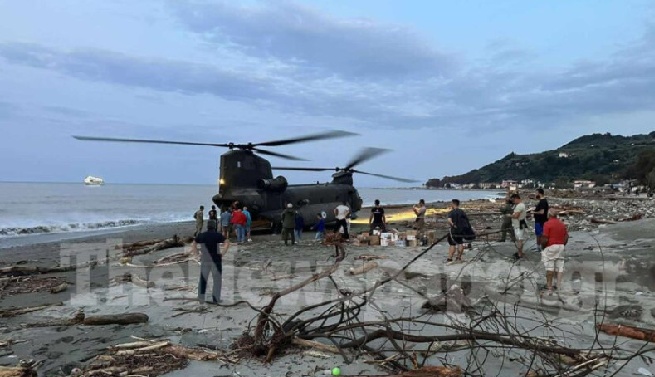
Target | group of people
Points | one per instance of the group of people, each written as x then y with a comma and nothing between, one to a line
551,234
232,220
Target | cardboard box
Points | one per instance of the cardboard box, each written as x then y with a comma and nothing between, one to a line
376,232
401,243
411,243
384,242
386,236
374,240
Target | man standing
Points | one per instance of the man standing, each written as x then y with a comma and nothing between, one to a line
377,218
540,215
248,223
199,216
226,218
506,227
211,261
213,214
299,226
555,236
288,224
239,221
519,224
419,210
341,212
459,228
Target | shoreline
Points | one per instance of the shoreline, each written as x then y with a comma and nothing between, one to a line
253,271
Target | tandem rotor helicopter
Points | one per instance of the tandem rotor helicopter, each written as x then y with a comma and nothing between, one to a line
247,178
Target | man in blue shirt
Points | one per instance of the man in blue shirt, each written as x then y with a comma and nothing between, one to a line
248,222
211,261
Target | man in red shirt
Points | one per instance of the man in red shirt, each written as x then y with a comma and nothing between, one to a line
239,220
553,239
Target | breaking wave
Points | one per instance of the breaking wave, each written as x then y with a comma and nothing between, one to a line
70,227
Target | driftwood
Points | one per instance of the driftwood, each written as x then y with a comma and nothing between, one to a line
33,270
628,332
134,279
6,313
60,288
138,245
115,319
368,266
369,257
315,345
168,243
17,372
601,221
173,259
100,320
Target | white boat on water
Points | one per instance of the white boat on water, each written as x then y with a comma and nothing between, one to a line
94,181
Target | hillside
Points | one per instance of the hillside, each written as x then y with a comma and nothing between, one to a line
599,157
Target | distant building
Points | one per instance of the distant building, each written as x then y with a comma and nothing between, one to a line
563,155
579,184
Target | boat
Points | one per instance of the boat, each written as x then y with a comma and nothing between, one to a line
93,181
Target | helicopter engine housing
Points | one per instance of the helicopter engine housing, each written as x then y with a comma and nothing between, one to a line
277,184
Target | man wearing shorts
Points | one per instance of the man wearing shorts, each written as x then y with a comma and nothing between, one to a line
459,224
553,240
540,215
519,225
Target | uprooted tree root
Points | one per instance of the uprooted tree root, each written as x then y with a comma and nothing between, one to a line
402,345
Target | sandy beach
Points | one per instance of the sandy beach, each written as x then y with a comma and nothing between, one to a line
609,277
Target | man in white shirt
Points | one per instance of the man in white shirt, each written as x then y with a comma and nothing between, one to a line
519,224
341,213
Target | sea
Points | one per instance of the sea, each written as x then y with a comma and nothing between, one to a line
46,212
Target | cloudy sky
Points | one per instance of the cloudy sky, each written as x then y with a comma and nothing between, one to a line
447,85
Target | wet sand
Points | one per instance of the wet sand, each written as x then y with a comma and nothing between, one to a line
611,267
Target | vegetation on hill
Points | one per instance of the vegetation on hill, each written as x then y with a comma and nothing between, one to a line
603,158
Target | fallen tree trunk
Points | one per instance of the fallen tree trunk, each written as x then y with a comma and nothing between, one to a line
6,313
366,267
17,372
115,319
34,270
60,288
175,241
628,331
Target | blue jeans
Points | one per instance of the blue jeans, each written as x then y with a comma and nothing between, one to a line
241,233
319,235
298,233
210,266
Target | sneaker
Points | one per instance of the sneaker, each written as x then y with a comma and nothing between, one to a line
516,257
249,239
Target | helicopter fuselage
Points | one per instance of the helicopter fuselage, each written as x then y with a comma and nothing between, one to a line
248,179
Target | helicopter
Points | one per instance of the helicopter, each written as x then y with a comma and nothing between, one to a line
246,179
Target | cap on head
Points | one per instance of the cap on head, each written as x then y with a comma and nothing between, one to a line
211,224
289,205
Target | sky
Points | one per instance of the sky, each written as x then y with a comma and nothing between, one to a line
446,86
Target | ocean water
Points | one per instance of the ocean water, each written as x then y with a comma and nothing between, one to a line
32,209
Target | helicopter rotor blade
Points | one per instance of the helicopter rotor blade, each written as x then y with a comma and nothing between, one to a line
302,169
405,180
365,155
112,139
319,136
281,155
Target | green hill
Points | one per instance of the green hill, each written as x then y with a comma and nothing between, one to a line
600,157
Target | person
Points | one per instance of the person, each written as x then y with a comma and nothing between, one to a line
506,227
288,224
460,227
226,220
377,218
540,215
213,214
419,210
519,224
553,239
299,226
319,227
248,223
336,239
199,216
239,221
341,212
211,261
